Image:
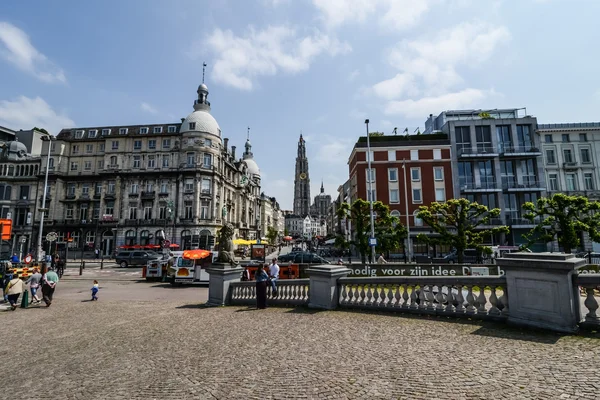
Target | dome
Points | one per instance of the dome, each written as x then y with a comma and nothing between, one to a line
252,166
202,87
204,122
16,147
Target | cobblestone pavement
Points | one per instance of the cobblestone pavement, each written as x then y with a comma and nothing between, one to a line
148,341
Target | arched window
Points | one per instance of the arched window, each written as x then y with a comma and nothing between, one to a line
90,239
130,237
51,163
113,161
395,213
418,221
205,239
186,240
145,237
157,236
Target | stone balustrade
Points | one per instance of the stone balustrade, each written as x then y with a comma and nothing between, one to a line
469,296
590,283
290,292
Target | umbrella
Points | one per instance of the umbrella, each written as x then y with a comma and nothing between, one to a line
242,241
288,238
174,246
195,254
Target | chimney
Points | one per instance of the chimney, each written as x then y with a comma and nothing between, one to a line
233,152
226,144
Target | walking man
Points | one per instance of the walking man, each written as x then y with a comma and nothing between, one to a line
274,275
49,282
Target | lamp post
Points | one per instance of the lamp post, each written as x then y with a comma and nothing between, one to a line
43,209
370,195
408,243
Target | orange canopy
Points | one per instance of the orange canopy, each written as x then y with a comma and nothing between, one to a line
195,254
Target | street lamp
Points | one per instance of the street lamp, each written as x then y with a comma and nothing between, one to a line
48,138
408,243
370,195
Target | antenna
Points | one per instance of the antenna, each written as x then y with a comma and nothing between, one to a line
203,71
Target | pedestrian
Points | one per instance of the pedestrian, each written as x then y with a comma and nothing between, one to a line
381,260
261,288
97,252
49,282
34,283
245,274
274,275
15,259
7,277
95,289
13,290
340,261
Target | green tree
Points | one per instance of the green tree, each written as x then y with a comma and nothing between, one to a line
457,223
40,130
563,217
272,234
373,134
286,232
388,231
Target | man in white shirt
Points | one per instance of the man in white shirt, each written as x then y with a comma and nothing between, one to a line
274,275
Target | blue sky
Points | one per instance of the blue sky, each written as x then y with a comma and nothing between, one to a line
283,66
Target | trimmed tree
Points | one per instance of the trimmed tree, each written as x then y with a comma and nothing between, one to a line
388,230
563,217
458,223
272,234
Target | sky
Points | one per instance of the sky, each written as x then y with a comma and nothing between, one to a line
285,67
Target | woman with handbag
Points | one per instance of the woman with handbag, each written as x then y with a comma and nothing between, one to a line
13,290
261,288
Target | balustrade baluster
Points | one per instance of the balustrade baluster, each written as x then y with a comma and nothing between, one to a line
295,292
482,301
460,300
305,293
430,298
351,299
592,305
494,302
440,298
375,299
392,292
504,301
362,295
253,291
422,298
383,296
405,296
343,294
413,298
470,300
450,301
241,292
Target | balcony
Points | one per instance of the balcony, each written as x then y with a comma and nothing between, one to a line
84,197
70,196
163,194
148,195
488,185
97,196
480,150
134,195
514,220
205,192
521,150
570,165
108,219
526,185
187,221
109,196
132,222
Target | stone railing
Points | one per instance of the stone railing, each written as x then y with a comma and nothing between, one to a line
590,284
470,296
290,292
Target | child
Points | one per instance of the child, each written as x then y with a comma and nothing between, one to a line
95,289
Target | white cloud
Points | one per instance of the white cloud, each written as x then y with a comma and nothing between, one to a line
241,59
399,86
25,113
16,48
353,75
422,107
332,150
148,108
391,14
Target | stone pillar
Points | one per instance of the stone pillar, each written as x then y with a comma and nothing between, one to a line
323,289
541,292
221,275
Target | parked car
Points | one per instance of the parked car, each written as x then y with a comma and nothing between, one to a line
135,258
296,249
308,258
289,257
470,256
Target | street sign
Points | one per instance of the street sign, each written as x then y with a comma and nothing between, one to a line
167,243
23,239
372,242
51,236
28,259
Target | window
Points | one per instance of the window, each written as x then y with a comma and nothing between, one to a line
583,137
191,159
548,138
164,187
438,173
24,192
165,160
152,144
101,147
113,161
483,136
416,194
172,129
85,190
188,212
553,182
115,145
507,174
192,126
440,194
98,189
486,174
571,180
87,165
71,189
108,210
205,188
134,188
414,154
566,138
189,185
151,162
89,148
437,154
370,175
157,129
504,138
74,166
524,137
105,132
415,174
51,163
207,160
132,212
111,187
122,131
391,155
79,134
588,179
372,195
394,196
162,212
92,133
75,149
568,156
149,187
418,221
147,212
462,134
70,210
393,174
204,210
137,144
143,131
585,156
5,192
136,161
166,143
550,156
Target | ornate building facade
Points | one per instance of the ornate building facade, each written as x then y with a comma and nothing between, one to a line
121,185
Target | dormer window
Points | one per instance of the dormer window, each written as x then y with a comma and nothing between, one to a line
192,126
79,134
143,131
92,133
122,131
157,129
105,132
172,129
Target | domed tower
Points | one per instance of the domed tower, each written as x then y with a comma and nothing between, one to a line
248,159
200,128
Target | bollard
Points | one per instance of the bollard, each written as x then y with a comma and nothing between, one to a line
81,268
102,263
25,299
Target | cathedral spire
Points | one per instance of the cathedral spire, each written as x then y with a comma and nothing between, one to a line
322,187
302,181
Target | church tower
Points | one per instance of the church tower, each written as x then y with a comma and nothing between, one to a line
301,182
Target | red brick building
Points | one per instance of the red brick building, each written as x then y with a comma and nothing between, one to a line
428,172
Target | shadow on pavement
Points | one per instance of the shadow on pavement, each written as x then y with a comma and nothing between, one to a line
201,306
169,286
304,310
247,309
521,334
